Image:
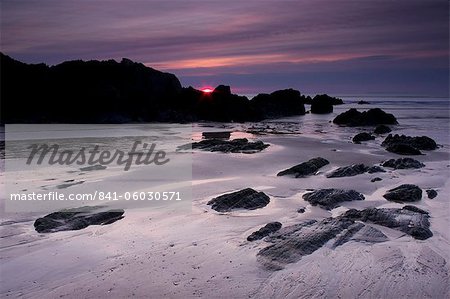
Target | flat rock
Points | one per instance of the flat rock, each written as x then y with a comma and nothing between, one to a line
375,169
364,136
306,168
264,231
346,171
294,242
244,199
403,163
216,135
372,117
241,145
291,243
431,193
382,129
331,198
93,167
76,219
413,222
404,193
360,233
353,170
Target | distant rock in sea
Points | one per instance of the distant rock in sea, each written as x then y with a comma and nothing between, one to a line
241,145
287,102
77,218
372,117
404,193
363,102
323,104
248,199
306,168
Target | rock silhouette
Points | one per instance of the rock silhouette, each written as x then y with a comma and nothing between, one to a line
372,117
123,92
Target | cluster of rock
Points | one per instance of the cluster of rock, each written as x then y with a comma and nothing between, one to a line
240,145
77,218
291,243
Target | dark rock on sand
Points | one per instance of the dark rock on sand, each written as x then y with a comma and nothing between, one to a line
382,129
306,168
241,145
403,163
346,171
93,167
404,193
323,104
301,210
293,242
76,219
353,170
431,193
377,179
362,137
360,233
264,231
403,149
419,143
331,198
371,117
244,199
414,209
408,220
375,169
216,135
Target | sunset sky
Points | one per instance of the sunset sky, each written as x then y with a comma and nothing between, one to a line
338,47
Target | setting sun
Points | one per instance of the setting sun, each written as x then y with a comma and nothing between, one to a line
207,89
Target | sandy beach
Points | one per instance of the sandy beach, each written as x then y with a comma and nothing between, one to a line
189,251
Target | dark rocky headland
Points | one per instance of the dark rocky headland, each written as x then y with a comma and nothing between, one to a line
126,92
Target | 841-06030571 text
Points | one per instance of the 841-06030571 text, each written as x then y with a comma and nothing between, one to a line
98,195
